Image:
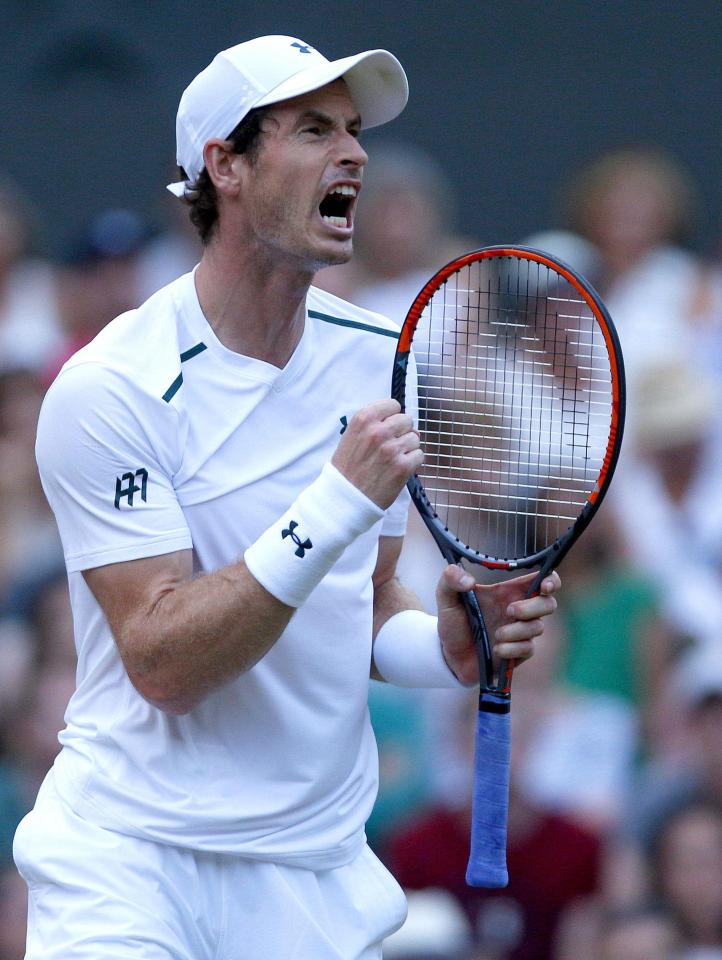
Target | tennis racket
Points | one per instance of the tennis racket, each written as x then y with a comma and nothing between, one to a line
521,403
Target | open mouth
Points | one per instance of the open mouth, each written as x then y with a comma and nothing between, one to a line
336,207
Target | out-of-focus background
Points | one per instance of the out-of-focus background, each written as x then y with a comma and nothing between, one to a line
590,130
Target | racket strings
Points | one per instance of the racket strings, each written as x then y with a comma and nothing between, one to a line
515,401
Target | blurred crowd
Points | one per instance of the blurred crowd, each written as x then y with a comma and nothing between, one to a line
615,819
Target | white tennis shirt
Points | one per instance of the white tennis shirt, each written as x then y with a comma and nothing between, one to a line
156,438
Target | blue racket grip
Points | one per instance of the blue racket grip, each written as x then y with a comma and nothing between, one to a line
490,795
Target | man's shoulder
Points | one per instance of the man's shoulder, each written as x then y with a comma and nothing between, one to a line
113,392
348,316
141,349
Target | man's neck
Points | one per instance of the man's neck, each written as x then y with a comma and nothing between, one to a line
254,308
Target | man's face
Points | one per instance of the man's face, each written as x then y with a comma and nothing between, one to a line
299,192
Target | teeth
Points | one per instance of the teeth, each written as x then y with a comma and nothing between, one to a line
346,190
336,221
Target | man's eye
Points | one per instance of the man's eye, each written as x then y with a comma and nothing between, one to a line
314,130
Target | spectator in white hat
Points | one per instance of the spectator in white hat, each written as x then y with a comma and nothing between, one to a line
666,499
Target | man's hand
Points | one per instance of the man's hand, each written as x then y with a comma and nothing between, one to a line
512,621
379,451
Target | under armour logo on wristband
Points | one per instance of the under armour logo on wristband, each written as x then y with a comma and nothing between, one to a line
302,545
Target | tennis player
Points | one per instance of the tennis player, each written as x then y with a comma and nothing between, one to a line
228,478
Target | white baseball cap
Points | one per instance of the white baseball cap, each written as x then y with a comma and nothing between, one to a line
267,70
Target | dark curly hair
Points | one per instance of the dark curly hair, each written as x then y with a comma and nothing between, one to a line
201,196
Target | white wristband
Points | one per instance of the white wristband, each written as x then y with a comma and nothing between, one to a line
296,552
407,652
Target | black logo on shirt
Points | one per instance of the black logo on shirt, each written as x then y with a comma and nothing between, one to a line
301,545
126,486
344,424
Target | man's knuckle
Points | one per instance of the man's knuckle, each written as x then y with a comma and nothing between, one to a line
362,417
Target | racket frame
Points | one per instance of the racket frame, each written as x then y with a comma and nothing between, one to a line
487,861
552,555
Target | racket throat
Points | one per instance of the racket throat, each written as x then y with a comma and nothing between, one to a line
480,638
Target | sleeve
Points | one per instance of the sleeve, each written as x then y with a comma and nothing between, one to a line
394,523
107,452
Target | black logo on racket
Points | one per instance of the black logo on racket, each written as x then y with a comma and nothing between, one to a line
301,545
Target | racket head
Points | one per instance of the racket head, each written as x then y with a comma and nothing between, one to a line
521,403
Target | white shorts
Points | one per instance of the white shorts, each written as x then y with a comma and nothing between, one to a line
96,893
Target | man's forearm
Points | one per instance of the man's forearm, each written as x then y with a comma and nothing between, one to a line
194,635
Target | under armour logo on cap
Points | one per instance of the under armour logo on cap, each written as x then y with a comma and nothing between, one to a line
302,545
302,47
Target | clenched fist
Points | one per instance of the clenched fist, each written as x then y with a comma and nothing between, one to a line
379,451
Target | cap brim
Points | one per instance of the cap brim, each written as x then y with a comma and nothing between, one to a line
376,81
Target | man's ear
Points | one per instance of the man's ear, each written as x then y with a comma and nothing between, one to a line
222,166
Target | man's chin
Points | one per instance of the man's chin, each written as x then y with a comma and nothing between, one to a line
335,256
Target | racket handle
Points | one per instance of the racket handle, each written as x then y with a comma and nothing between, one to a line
490,796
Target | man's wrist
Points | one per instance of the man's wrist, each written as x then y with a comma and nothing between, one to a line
296,552
408,652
